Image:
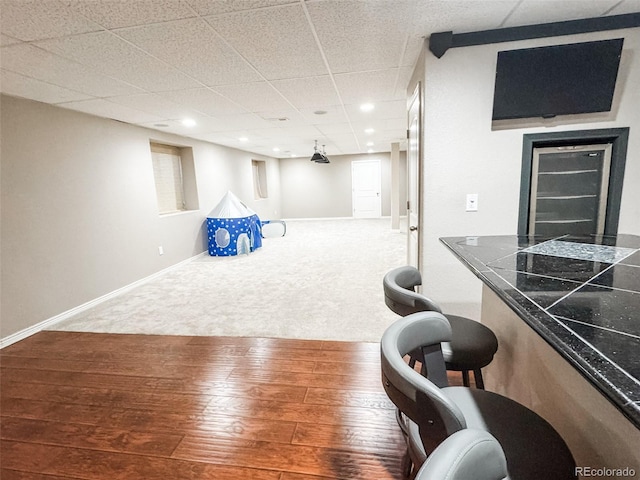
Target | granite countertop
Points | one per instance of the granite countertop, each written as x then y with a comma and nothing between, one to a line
581,294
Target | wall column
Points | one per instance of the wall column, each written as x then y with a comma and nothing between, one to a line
395,186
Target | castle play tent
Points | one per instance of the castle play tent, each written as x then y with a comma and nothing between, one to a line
233,228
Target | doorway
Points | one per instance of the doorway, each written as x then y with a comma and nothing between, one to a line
366,188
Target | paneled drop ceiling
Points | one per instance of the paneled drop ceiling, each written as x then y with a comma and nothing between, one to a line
252,74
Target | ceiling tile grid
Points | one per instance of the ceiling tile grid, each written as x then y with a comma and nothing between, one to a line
191,46
117,14
276,73
25,87
33,62
29,20
110,55
278,42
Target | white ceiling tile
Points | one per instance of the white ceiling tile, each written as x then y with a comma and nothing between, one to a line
335,114
155,105
346,143
39,64
334,128
308,92
626,6
105,108
255,97
530,12
20,86
207,7
203,124
281,115
38,19
382,110
112,56
366,86
412,50
286,49
193,47
349,33
245,121
205,101
458,16
117,13
258,58
286,134
7,40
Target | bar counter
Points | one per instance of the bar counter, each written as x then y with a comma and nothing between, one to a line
580,296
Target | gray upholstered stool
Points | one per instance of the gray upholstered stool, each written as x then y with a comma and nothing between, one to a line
466,454
434,411
472,345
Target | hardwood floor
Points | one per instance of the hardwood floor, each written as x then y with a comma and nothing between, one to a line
102,406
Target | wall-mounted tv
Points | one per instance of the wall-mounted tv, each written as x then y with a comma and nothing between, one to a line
556,80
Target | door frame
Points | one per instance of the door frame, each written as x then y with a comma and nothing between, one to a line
618,137
415,235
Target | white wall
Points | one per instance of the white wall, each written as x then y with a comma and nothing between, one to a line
463,154
316,190
79,213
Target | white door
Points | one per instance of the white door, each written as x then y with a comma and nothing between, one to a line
413,181
365,183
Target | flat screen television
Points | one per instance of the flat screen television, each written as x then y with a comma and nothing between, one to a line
556,80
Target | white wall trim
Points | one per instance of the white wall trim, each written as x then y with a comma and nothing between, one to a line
27,332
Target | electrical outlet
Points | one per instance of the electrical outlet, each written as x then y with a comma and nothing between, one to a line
160,250
472,202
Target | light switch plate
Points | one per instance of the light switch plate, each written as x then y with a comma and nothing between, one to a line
472,202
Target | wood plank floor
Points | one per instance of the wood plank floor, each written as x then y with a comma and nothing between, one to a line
103,406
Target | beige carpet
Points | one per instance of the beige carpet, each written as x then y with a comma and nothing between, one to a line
322,280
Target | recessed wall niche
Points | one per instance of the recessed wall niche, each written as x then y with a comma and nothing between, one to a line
571,182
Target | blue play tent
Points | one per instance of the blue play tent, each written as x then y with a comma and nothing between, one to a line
233,228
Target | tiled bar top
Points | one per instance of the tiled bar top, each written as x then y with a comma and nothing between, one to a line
582,295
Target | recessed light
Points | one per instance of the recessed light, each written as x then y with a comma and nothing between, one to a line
276,149
369,144
367,107
188,122
369,131
243,139
370,150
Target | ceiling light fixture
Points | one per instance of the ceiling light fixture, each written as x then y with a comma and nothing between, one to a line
189,122
369,131
243,139
317,156
367,107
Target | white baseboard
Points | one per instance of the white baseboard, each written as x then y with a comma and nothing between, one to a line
27,332
311,219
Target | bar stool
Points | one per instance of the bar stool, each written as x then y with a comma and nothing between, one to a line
472,345
435,411
468,453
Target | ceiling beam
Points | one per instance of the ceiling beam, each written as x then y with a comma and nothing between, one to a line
440,42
